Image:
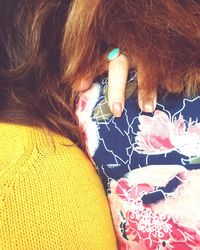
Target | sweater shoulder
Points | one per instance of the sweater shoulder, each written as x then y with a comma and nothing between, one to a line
51,196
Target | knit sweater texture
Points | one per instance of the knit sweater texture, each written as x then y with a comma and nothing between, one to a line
50,194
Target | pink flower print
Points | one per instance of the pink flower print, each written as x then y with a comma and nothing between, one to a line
180,246
130,193
145,226
159,135
186,137
154,134
150,227
84,109
127,209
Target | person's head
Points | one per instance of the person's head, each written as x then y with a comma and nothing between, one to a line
161,39
31,34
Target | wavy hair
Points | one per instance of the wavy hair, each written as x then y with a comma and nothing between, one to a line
31,34
161,39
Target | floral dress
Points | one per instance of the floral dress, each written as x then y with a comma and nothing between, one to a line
150,166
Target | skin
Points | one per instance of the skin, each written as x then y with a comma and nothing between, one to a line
117,78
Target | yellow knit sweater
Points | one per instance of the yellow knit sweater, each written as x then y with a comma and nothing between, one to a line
50,194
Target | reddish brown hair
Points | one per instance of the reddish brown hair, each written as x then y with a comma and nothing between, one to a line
162,40
31,32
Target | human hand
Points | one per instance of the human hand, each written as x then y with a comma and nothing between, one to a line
117,79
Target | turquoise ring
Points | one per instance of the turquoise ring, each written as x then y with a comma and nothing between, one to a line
113,54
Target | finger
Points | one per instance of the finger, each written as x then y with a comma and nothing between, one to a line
117,79
85,83
147,105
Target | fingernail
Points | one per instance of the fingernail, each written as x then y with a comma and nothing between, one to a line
148,107
117,109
